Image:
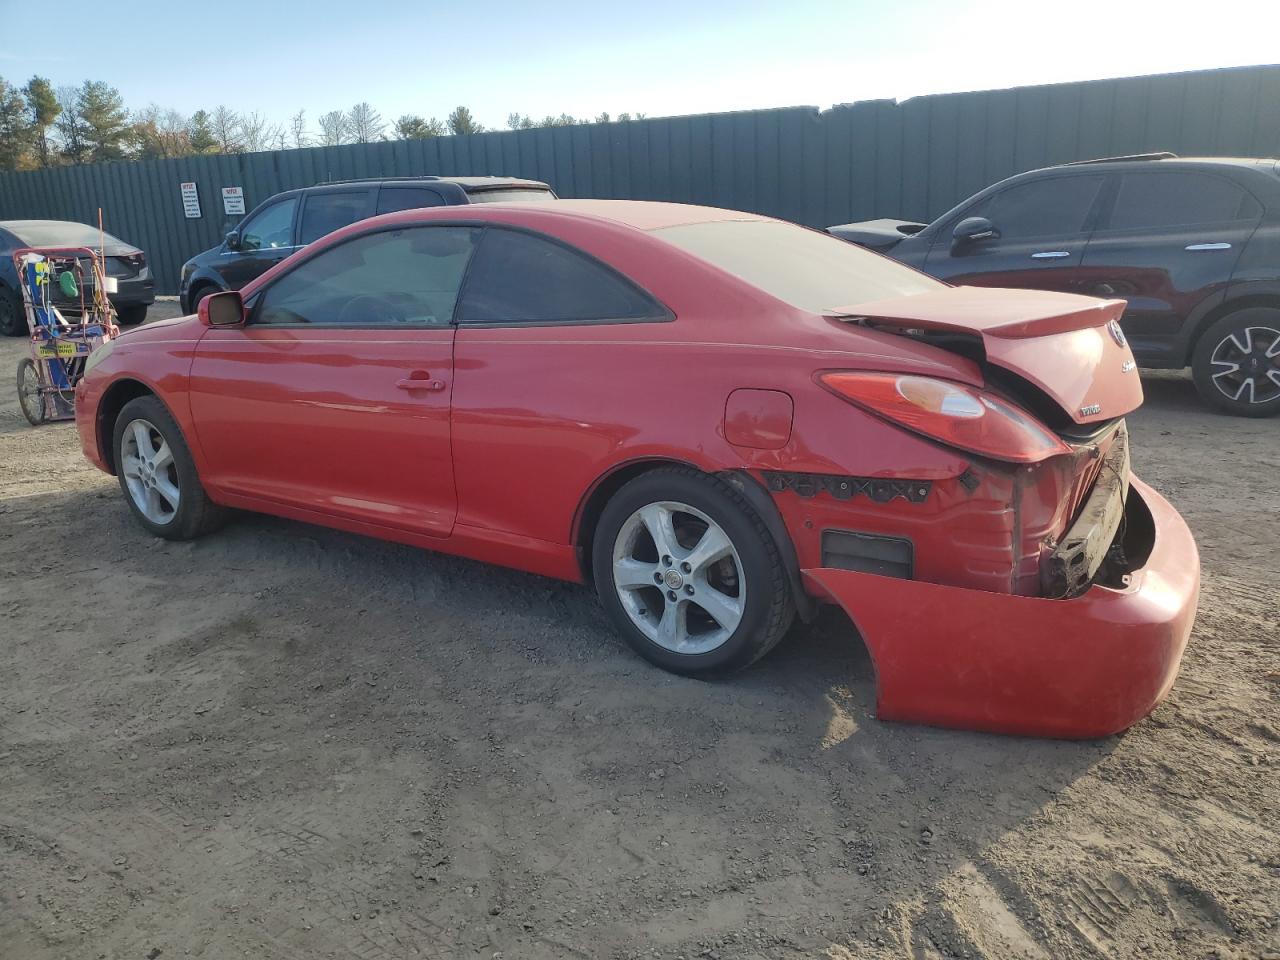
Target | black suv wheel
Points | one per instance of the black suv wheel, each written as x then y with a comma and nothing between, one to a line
1236,365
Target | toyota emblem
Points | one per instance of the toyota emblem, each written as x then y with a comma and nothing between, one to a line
1116,333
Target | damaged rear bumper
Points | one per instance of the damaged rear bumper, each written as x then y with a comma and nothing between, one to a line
1085,667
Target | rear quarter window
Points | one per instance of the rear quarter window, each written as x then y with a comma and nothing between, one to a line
519,277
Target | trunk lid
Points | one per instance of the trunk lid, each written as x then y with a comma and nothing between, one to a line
1069,347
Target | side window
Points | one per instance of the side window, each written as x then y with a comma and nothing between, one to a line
272,228
409,276
518,277
1156,200
1041,208
327,212
393,199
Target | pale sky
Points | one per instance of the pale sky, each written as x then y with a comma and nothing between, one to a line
657,57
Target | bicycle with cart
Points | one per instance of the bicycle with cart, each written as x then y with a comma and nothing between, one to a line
64,293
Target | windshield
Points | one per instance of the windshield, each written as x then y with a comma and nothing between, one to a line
505,195
60,233
809,270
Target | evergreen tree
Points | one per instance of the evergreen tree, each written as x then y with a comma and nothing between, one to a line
43,109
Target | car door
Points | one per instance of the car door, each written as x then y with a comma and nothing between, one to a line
533,414
334,396
1169,241
262,241
1040,230
327,210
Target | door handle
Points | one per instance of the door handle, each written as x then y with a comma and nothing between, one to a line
1050,255
420,383
1208,246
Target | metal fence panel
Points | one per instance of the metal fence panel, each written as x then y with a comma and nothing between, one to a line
878,158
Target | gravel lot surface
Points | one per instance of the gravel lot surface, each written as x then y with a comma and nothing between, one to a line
282,741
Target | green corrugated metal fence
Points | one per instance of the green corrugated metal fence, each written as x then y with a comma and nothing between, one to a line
878,158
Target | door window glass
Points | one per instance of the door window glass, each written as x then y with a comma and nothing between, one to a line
518,277
271,228
1041,208
393,199
327,212
1155,200
409,276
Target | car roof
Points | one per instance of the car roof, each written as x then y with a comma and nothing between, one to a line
640,214
21,229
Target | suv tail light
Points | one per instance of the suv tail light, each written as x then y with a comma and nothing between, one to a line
951,413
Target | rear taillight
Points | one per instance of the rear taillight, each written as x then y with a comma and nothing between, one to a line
950,413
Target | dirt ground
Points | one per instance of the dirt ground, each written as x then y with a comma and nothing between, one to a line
282,741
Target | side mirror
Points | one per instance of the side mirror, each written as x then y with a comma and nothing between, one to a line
233,240
973,229
225,309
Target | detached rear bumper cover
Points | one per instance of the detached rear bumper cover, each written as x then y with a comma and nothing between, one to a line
1085,667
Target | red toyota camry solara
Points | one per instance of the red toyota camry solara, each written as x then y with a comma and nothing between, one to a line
719,419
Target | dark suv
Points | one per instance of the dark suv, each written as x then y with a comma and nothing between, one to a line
1193,245
289,221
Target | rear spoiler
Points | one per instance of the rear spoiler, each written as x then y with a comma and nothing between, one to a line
988,312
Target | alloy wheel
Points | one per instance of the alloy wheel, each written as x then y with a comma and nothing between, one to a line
1245,365
150,472
679,577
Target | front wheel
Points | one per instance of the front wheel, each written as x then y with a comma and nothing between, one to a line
689,574
157,474
1236,366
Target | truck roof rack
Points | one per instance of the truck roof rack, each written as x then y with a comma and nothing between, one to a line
1127,158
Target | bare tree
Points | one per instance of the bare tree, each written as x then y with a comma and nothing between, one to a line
366,123
298,129
161,133
70,126
224,124
335,128
259,133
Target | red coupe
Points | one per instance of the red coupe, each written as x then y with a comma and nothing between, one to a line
719,419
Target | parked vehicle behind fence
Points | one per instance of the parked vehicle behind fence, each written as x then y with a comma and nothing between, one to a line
1191,244
289,221
719,419
135,287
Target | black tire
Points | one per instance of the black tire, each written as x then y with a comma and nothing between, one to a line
769,606
13,316
199,292
131,315
1256,327
196,514
32,405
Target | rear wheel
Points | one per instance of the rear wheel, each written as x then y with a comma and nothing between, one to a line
131,315
1236,365
13,319
29,398
157,474
689,574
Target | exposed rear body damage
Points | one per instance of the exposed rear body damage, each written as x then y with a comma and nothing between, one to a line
1085,667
